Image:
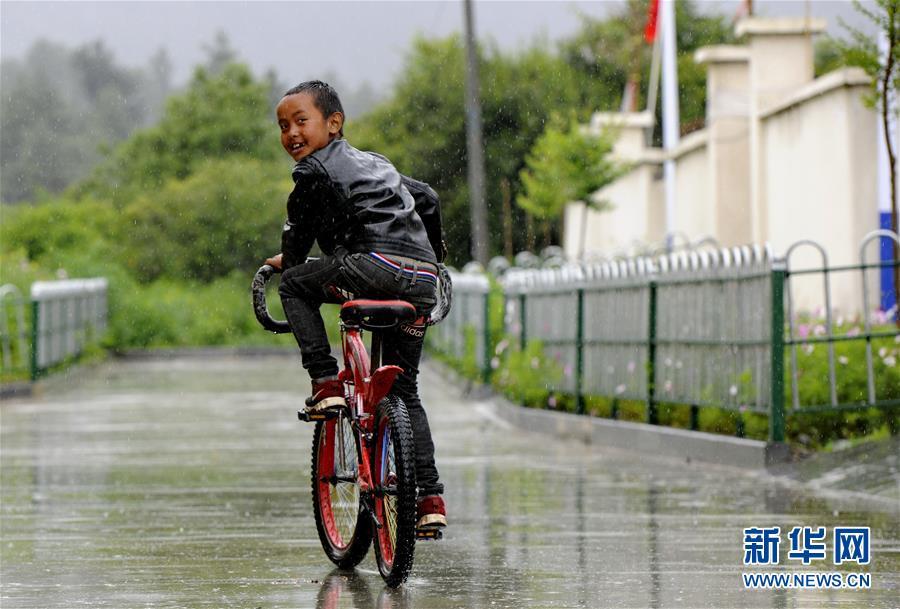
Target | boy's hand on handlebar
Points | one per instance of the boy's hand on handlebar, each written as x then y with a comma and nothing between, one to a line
274,262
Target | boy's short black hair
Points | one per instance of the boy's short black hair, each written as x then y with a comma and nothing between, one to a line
324,96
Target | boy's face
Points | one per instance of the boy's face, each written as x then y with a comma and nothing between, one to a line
303,127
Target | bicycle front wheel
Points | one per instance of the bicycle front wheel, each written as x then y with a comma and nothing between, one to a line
345,530
394,479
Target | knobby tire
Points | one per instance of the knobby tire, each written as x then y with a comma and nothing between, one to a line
345,530
395,497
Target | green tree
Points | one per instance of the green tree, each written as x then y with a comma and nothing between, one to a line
219,53
226,216
422,127
217,116
603,52
565,165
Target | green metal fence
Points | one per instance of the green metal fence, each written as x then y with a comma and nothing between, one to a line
690,328
66,317
710,328
881,337
464,334
14,354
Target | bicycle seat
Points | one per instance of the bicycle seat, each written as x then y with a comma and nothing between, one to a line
377,314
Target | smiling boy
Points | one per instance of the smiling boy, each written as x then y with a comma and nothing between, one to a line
380,235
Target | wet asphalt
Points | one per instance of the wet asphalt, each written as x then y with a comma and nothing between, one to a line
184,482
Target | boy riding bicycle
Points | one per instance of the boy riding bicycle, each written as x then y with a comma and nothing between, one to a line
380,236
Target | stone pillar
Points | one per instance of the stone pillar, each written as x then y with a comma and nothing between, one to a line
628,127
728,152
781,61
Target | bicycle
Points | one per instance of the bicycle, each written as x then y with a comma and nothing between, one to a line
363,456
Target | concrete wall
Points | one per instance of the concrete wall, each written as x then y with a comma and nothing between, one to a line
818,147
783,158
635,210
694,212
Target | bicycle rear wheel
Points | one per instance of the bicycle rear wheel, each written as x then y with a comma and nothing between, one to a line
345,530
394,478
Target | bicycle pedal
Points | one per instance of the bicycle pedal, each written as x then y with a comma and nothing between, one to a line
312,417
427,534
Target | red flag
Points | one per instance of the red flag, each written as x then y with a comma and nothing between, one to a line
650,28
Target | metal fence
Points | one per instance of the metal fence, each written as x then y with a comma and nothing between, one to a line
13,331
66,316
702,328
688,328
881,337
464,334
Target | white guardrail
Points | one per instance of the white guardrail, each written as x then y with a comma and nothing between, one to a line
67,315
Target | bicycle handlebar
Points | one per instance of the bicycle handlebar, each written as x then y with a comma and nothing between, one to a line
261,309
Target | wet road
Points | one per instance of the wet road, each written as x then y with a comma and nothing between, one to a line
183,482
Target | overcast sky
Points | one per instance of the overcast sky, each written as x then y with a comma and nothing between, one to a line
358,41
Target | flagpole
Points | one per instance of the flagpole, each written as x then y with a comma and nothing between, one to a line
671,120
654,81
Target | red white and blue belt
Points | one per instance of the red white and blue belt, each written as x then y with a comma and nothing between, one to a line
406,267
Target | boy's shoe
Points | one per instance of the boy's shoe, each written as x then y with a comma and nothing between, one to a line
326,395
430,512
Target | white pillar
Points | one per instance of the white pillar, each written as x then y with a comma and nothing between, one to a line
671,119
780,62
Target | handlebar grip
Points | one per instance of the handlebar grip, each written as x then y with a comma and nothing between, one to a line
444,297
260,308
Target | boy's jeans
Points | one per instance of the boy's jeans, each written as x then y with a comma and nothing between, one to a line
343,276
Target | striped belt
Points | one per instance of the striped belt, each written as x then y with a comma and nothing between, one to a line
406,267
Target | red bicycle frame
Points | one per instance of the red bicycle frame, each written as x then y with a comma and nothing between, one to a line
369,389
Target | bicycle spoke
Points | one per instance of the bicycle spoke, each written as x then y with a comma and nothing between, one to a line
343,489
390,501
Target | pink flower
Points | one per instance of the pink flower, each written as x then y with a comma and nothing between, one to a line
819,330
803,331
630,366
854,331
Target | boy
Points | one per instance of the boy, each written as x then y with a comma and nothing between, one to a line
363,214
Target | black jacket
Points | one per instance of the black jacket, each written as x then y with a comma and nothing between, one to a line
358,200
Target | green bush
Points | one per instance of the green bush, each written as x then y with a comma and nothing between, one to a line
227,216
526,375
821,427
52,231
168,313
